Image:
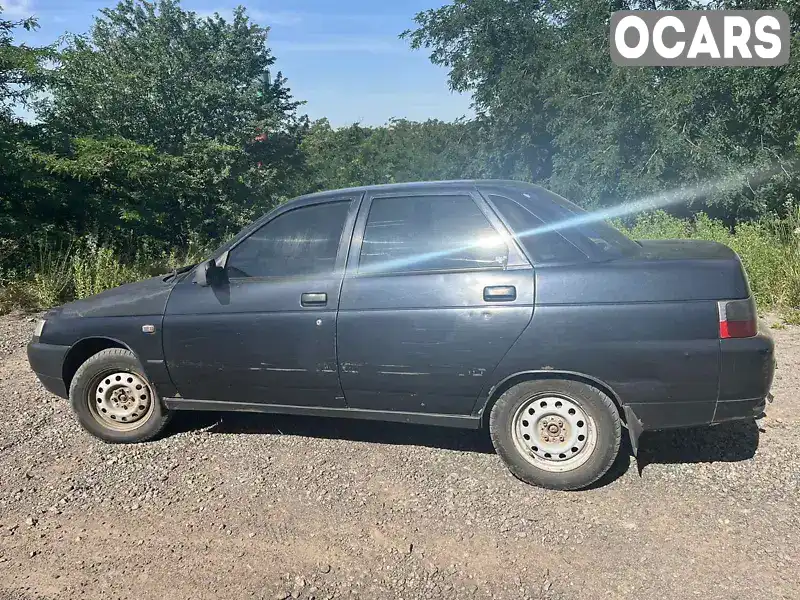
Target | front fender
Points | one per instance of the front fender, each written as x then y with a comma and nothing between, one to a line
130,332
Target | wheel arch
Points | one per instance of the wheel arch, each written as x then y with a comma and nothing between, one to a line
83,350
500,388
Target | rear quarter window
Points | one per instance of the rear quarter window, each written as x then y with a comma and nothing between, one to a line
541,245
588,232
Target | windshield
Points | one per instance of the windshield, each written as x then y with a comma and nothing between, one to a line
591,233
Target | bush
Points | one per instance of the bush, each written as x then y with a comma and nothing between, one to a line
51,276
81,268
769,249
98,268
657,226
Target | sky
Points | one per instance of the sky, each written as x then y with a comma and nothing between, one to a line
343,57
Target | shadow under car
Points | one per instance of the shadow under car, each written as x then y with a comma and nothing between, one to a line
726,442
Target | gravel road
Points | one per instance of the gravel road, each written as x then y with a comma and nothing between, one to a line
253,506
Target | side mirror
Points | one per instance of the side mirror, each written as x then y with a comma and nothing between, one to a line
209,274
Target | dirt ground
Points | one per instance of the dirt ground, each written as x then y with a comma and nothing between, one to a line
253,506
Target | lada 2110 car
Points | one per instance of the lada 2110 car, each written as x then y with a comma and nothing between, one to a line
477,304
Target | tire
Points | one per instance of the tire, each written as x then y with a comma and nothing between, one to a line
547,410
114,401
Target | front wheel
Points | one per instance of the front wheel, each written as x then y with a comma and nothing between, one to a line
555,433
113,399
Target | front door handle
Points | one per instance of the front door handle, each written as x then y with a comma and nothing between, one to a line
499,293
314,299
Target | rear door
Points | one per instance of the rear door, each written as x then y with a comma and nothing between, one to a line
434,295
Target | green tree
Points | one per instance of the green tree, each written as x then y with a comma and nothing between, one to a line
555,109
174,125
17,65
21,183
400,151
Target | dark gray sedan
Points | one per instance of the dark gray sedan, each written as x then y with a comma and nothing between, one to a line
477,304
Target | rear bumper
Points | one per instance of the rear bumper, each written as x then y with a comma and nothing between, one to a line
747,368
46,361
735,410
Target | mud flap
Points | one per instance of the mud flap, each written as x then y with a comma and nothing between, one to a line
634,428
760,418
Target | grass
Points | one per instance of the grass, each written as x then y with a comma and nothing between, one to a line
95,269
769,249
81,268
51,276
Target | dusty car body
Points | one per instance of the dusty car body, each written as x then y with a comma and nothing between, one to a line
464,303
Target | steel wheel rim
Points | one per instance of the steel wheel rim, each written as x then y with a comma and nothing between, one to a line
120,400
554,433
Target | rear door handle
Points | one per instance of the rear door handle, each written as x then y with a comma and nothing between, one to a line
499,293
314,299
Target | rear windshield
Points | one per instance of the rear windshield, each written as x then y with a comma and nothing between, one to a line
593,235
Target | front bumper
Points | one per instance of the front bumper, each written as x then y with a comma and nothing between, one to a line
46,361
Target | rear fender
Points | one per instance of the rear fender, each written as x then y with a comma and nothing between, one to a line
483,407
632,423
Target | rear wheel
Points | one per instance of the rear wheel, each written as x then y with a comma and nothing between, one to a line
114,401
557,434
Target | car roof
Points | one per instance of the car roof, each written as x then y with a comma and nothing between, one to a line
404,187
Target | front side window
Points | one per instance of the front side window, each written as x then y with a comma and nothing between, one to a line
303,241
429,233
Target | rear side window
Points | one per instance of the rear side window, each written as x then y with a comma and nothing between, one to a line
542,246
429,233
595,236
303,241
605,240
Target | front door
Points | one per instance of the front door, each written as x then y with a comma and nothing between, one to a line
436,292
268,334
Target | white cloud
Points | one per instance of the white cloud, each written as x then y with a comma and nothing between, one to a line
225,13
284,17
291,18
17,9
262,17
25,114
356,44
363,18
343,108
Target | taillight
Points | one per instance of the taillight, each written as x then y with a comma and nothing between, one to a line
737,318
